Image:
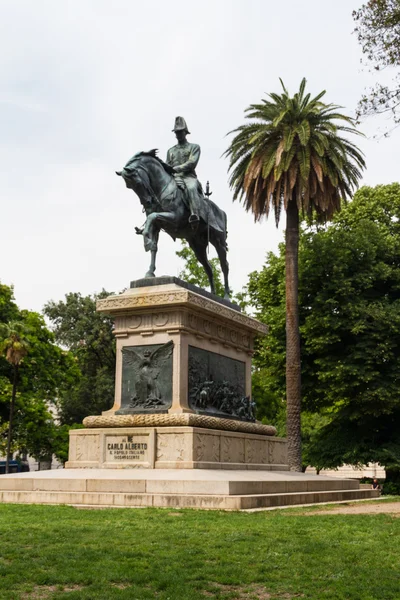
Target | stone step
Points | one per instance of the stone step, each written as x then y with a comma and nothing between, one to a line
180,488
271,500
180,500
226,487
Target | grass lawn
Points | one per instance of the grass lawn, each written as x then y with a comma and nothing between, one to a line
49,552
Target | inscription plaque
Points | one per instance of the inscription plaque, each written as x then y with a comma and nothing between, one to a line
126,448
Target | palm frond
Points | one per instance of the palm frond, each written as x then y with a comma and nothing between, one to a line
304,132
292,148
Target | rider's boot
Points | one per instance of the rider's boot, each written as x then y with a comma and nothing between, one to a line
194,218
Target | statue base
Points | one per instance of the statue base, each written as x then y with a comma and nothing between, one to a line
183,386
174,447
180,350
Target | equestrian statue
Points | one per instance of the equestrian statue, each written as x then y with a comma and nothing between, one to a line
173,200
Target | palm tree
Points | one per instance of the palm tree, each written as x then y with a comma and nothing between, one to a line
293,155
15,347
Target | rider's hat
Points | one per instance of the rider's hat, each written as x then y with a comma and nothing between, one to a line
180,124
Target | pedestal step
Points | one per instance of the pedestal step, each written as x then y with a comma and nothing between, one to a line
222,502
233,490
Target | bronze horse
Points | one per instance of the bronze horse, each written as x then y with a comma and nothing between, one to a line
166,208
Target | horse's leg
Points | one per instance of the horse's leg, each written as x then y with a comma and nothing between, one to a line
151,233
154,248
200,250
150,239
220,246
148,232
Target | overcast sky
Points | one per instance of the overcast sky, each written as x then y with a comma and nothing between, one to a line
85,85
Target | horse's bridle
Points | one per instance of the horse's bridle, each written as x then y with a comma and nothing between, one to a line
148,187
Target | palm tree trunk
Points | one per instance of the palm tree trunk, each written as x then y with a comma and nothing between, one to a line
12,405
293,365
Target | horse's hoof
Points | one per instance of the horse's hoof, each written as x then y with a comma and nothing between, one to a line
149,274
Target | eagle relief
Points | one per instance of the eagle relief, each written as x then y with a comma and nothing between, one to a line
146,378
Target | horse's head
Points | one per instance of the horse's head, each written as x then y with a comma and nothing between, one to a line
141,174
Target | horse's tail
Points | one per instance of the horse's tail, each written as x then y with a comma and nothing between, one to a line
226,231
216,220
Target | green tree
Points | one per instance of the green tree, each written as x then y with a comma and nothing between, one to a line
40,376
41,436
293,155
378,31
89,337
353,349
8,312
266,296
8,309
15,347
349,291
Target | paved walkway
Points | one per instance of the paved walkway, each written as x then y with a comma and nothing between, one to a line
361,508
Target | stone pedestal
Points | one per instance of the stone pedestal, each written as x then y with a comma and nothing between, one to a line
180,351
183,386
174,448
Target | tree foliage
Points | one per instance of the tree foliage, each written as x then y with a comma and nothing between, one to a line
349,290
266,295
14,346
43,371
8,312
295,150
88,335
378,31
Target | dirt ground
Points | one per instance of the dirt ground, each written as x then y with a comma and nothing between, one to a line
360,508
